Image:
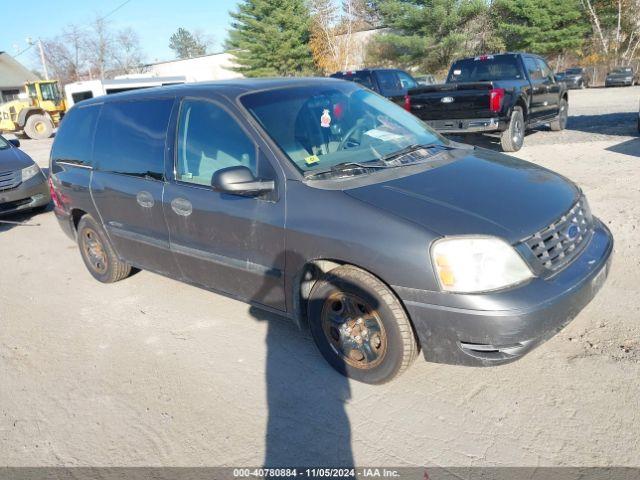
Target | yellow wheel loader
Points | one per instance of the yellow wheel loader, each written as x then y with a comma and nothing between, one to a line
37,114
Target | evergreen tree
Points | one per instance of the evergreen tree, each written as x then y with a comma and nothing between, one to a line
187,45
430,34
271,38
541,26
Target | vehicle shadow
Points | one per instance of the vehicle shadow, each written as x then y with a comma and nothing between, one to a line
630,147
619,124
307,422
27,219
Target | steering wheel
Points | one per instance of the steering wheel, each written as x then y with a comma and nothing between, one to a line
360,125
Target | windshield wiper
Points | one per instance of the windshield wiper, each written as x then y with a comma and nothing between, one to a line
410,149
346,166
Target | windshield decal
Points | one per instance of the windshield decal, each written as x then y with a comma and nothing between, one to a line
325,119
312,160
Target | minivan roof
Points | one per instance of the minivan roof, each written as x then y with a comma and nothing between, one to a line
228,88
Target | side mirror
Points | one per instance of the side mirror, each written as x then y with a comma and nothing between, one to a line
14,141
240,181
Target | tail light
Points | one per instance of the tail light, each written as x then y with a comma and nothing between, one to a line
496,96
407,102
54,195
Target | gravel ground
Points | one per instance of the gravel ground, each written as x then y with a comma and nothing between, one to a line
149,371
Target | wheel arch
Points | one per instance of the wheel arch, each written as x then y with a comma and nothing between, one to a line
76,215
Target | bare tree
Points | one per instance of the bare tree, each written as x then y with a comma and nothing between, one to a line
616,27
332,31
100,47
127,54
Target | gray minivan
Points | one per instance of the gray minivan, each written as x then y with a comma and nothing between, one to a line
320,200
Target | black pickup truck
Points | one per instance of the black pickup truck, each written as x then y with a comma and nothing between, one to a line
507,93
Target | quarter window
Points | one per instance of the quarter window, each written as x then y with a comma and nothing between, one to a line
406,81
544,69
533,68
209,139
74,139
131,137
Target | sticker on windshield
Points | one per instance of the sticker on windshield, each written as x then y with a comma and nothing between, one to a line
325,119
457,72
311,160
382,135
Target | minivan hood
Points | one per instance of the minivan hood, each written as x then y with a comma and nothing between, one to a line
481,192
13,159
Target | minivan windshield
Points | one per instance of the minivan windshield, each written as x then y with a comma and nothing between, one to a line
573,71
323,126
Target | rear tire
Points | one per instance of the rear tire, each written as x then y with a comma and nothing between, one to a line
360,326
38,127
513,137
560,123
98,254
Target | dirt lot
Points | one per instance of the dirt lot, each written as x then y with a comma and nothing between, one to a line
153,372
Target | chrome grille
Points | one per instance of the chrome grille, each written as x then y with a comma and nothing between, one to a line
556,245
9,180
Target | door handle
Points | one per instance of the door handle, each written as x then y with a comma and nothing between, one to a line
181,206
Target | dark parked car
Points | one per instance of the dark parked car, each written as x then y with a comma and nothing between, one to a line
22,184
319,199
388,82
575,77
505,93
621,77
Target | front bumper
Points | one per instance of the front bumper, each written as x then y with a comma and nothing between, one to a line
30,194
500,327
618,83
471,125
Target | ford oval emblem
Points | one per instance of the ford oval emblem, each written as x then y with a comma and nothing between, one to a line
572,232
446,99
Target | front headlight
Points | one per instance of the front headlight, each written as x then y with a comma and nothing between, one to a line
628,79
29,172
477,264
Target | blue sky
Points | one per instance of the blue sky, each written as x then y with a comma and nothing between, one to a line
154,20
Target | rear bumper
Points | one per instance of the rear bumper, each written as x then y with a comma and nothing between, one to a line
467,125
30,194
497,328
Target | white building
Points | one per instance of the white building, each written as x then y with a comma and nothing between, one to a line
13,76
217,66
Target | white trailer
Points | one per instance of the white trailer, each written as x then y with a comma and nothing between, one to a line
77,91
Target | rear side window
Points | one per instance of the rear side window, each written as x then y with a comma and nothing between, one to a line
363,78
407,81
130,137
544,68
209,139
485,69
535,73
74,140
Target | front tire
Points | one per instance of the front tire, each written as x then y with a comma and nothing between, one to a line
360,326
98,254
38,127
560,123
513,137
